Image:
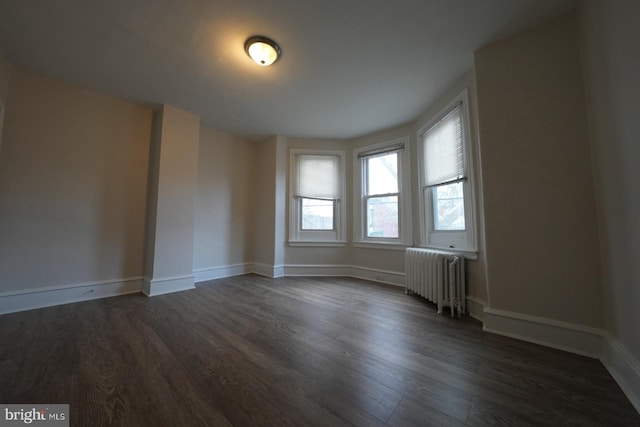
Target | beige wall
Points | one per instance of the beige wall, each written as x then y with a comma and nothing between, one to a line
541,239
225,207
73,175
612,64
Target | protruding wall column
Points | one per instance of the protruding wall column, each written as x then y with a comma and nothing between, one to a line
5,70
173,174
271,197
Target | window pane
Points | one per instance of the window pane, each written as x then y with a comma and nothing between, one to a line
448,207
382,217
382,174
317,214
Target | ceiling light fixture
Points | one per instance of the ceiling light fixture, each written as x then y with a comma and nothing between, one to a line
262,50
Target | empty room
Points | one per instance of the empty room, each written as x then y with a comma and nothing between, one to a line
239,213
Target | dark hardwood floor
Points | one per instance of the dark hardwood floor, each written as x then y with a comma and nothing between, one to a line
251,351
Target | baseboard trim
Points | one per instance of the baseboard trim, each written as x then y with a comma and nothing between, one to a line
220,272
338,270
166,285
623,367
311,270
388,277
268,270
475,307
583,340
12,302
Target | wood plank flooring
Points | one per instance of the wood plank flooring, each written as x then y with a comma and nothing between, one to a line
249,350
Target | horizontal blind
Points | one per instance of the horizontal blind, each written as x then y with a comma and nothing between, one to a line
443,150
383,150
318,176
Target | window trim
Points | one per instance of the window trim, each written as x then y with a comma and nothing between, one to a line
297,235
464,240
360,238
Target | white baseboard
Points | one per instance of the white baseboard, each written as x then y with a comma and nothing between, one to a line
310,270
376,275
623,367
167,285
475,307
219,272
11,302
269,270
337,270
583,340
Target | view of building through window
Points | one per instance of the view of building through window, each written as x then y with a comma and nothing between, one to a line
448,207
317,214
381,195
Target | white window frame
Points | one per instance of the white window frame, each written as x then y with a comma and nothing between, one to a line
456,240
360,238
300,237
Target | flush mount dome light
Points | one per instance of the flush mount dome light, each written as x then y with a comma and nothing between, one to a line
262,50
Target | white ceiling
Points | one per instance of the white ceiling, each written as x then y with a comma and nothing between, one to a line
349,67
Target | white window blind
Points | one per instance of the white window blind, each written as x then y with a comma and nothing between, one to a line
443,150
393,148
318,177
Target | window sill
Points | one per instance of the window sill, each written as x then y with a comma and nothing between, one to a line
390,246
311,243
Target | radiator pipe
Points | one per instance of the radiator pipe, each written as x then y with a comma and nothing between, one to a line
454,260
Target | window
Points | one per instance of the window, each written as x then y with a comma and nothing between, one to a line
317,188
445,179
380,210
381,195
